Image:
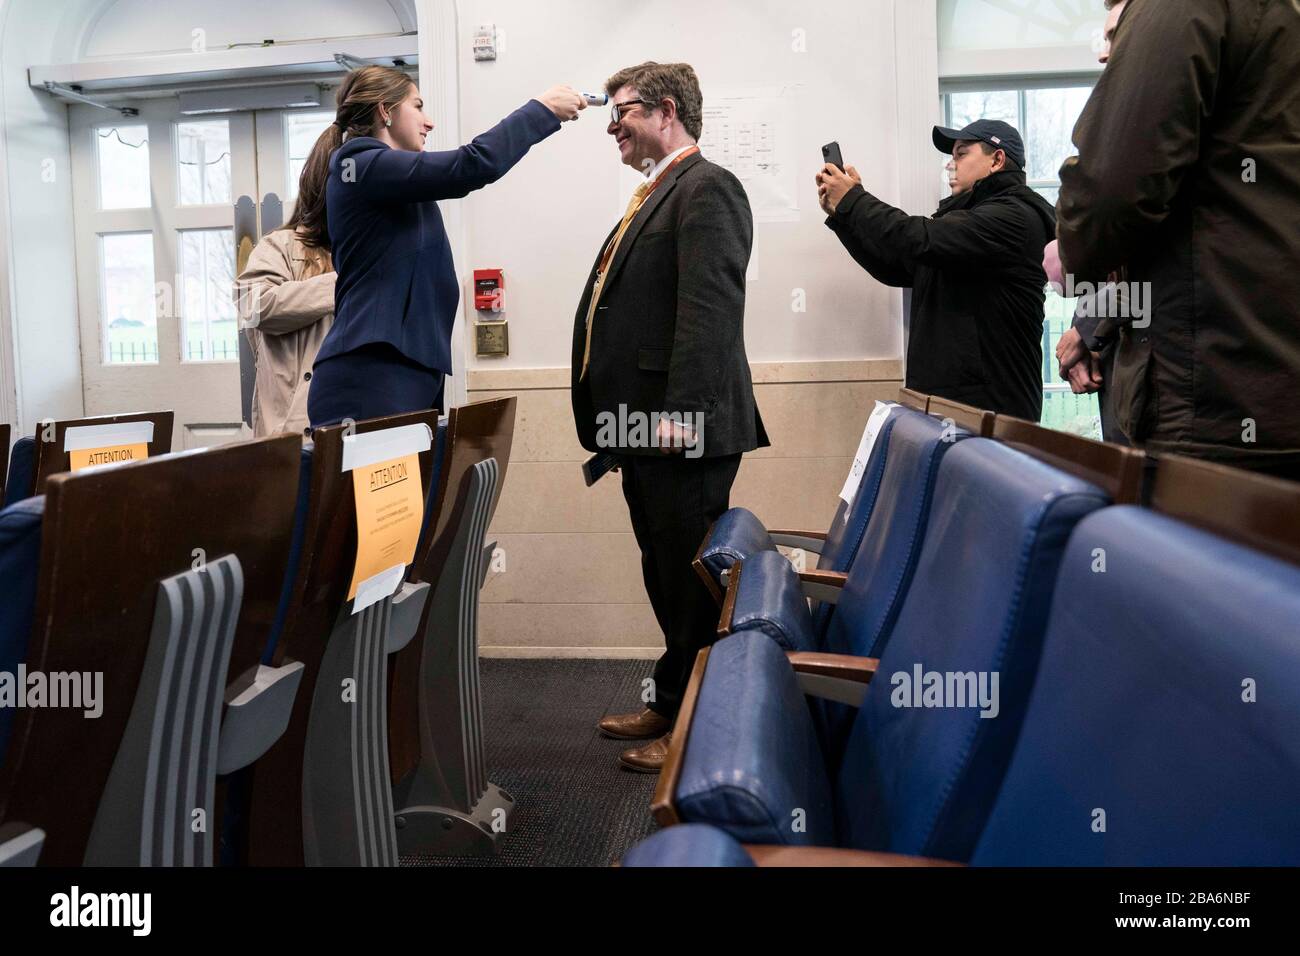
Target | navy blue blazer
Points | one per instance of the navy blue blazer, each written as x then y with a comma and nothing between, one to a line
396,281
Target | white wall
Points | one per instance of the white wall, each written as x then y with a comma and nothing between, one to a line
131,27
40,351
544,223
38,304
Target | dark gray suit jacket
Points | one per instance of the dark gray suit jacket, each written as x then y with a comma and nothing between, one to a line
669,332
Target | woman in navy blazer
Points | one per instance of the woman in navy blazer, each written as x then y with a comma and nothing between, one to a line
397,294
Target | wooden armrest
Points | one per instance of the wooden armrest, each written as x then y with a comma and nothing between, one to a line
662,806
820,856
823,585
834,579
702,572
729,601
812,541
844,666
836,677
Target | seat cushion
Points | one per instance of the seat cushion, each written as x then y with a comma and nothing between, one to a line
752,764
20,564
1166,708
691,844
920,772
22,470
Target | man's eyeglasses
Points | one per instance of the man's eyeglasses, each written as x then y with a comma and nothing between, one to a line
616,112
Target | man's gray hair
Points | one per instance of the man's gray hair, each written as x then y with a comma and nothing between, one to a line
657,82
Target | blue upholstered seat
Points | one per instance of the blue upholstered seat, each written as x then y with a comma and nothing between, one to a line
22,470
1171,706
20,561
739,534
914,780
1160,730
885,550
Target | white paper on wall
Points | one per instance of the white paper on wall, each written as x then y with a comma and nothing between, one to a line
749,133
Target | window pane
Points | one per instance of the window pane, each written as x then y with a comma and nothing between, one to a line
1063,411
203,162
301,130
965,108
122,154
129,319
207,261
1050,119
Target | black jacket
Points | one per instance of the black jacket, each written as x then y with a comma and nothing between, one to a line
977,280
1188,174
669,333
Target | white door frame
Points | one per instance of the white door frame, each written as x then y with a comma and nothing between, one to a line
204,393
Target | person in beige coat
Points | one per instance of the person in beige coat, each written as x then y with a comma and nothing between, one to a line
285,297
286,306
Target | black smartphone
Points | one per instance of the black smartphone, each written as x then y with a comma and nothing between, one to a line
831,154
598,466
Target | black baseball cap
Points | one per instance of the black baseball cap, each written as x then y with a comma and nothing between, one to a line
996,133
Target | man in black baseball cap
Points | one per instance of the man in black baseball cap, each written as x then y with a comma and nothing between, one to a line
993,133
974,267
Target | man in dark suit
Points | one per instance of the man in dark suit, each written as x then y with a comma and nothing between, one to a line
660,376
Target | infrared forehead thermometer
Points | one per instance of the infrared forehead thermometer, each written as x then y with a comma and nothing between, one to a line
596,99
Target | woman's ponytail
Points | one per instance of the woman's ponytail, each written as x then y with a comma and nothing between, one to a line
359,97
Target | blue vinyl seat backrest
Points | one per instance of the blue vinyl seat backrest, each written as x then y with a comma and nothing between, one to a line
844,535
1162,729
20,562
739,534
921,779
22,470
890,540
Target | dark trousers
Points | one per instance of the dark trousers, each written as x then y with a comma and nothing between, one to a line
673,500
374,381
1110,430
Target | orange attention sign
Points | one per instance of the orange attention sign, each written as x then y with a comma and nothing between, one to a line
110,455
109,443
390,511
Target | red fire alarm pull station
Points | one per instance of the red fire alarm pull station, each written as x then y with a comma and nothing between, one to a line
489,290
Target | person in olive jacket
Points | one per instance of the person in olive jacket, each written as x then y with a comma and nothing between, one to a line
1188,173
975,269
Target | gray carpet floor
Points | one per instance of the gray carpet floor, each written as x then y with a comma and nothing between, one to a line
574,804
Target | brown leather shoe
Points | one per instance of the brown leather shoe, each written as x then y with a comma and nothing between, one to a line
647,759
635,726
